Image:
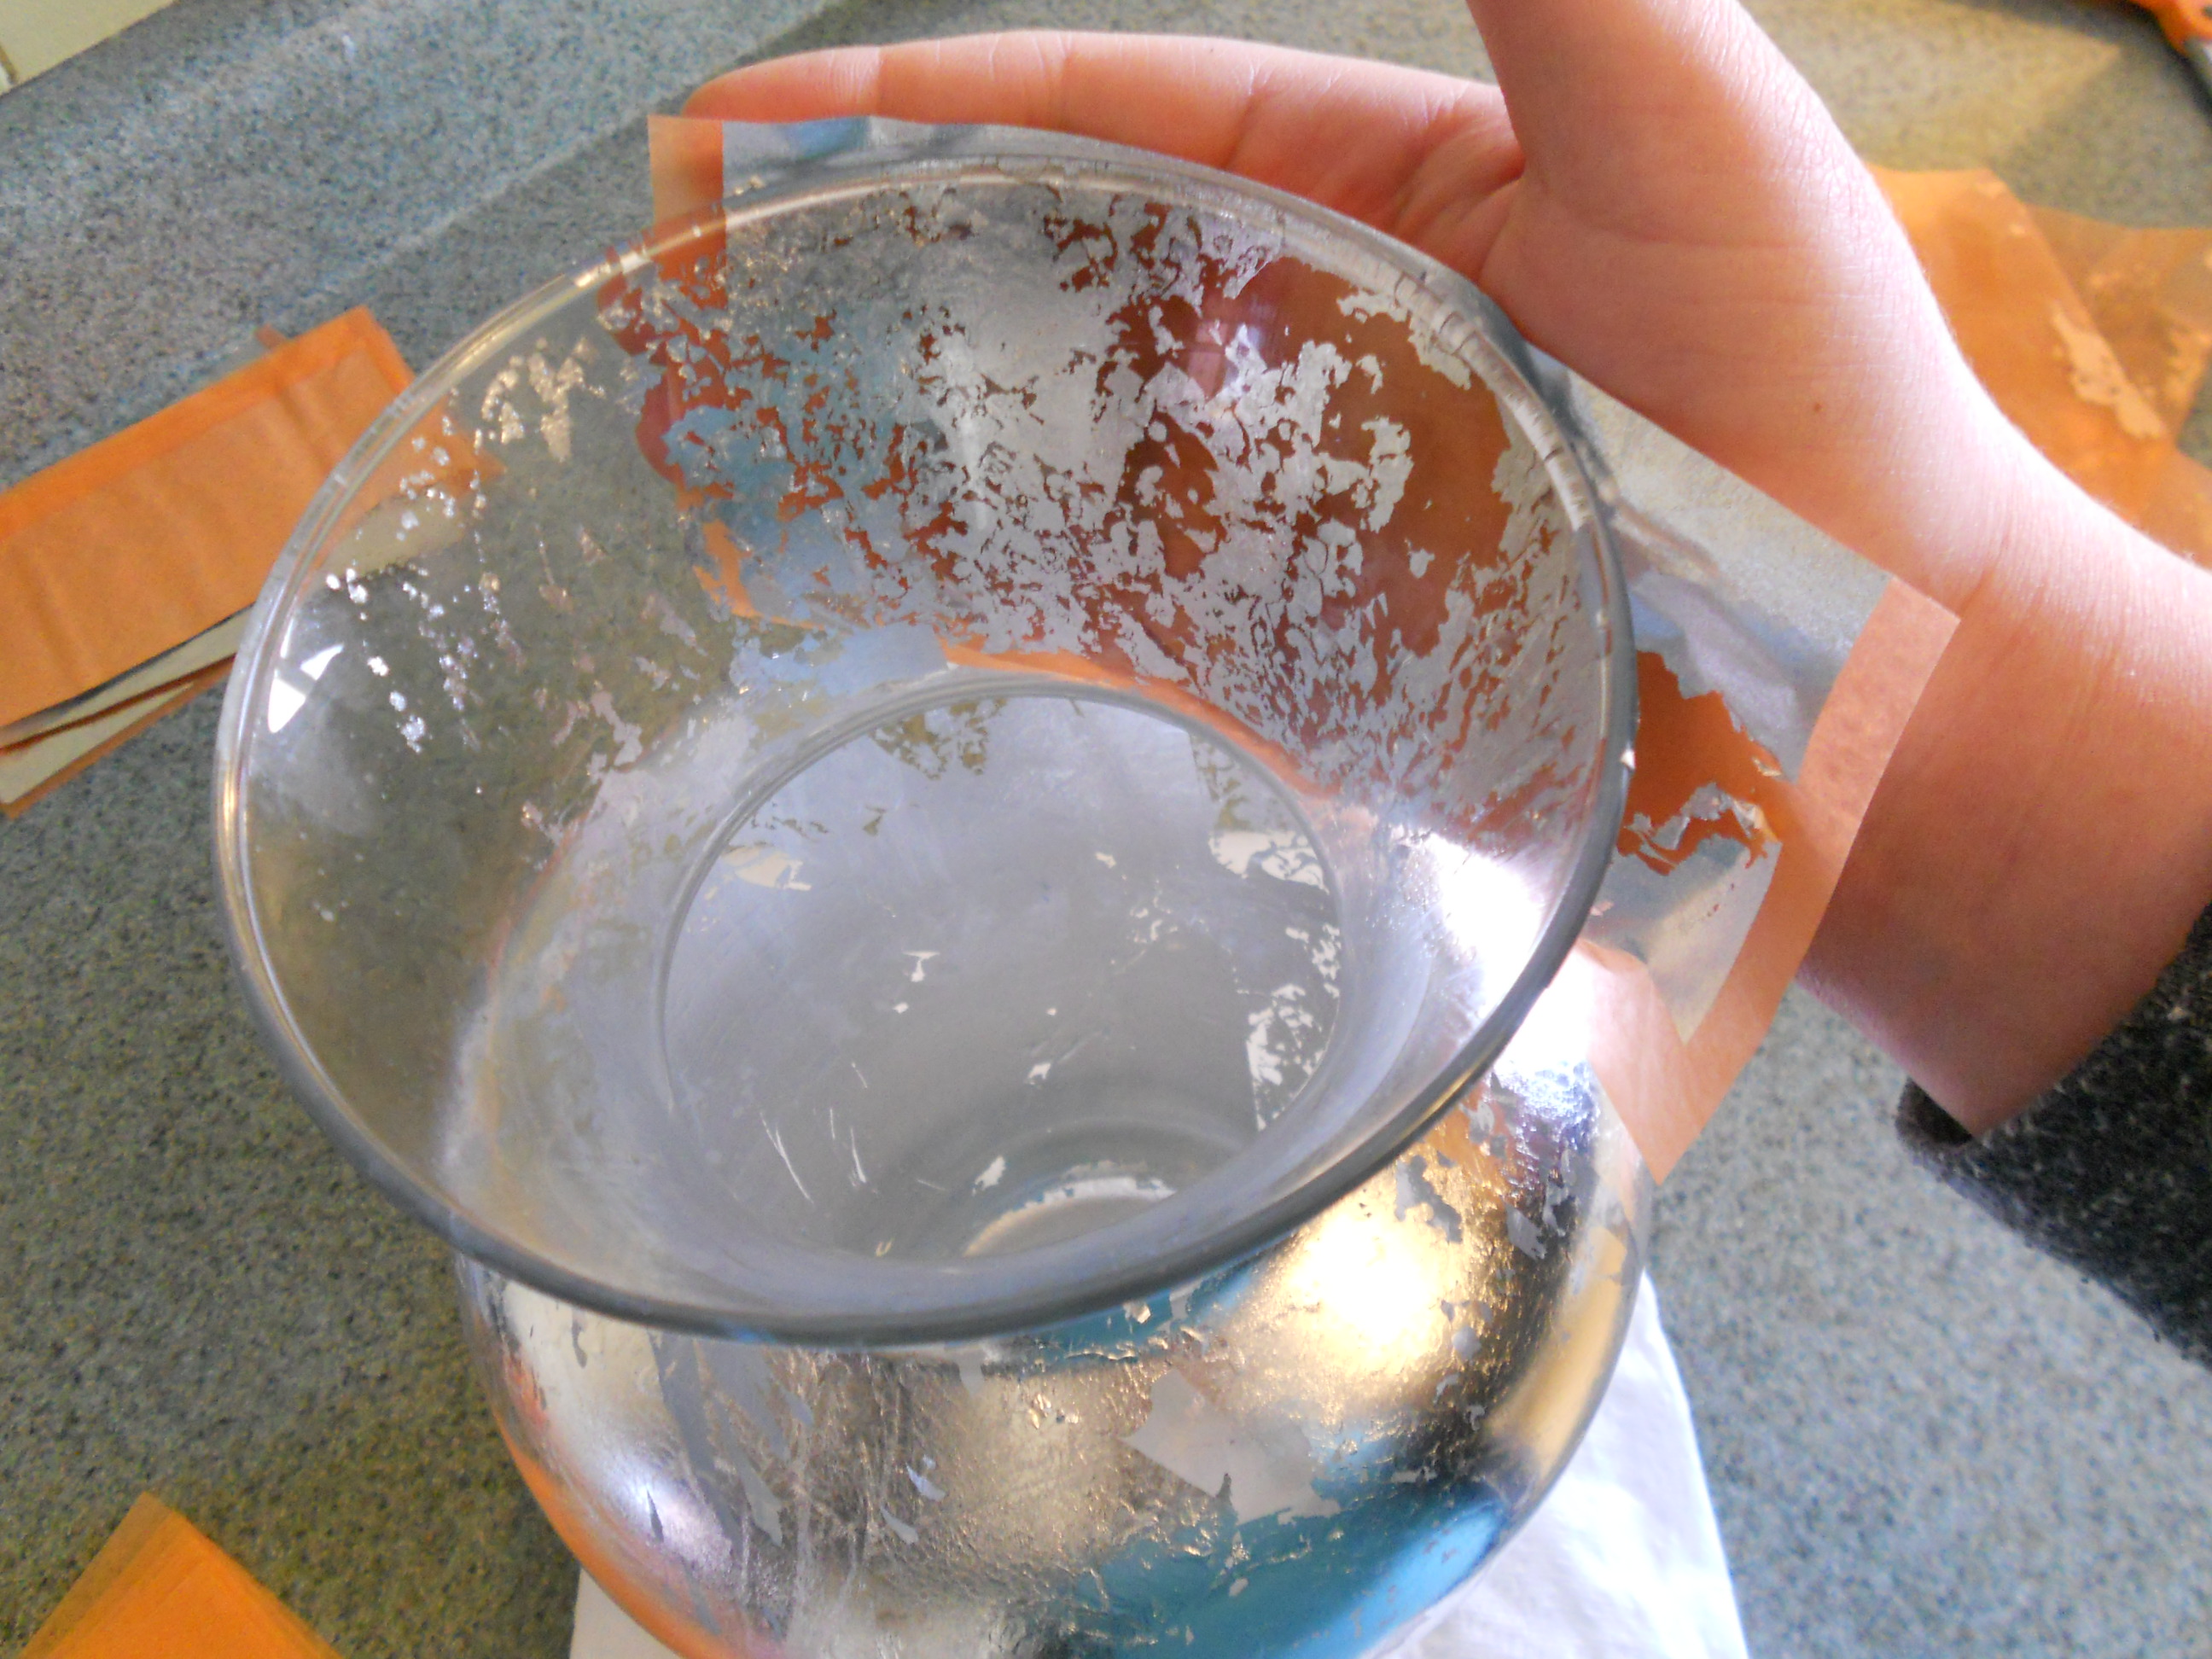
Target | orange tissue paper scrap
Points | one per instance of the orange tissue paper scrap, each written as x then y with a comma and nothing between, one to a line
2092,338
159,1589
150,538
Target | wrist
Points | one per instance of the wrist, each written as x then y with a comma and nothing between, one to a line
2042,841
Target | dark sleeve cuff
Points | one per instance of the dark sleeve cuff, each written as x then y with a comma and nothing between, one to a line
2112,1170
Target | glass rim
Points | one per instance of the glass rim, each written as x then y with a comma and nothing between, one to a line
1486,340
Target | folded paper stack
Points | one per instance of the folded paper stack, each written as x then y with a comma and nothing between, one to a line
126,570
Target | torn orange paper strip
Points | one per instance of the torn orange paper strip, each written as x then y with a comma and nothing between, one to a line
1667,1081
687,165
157,534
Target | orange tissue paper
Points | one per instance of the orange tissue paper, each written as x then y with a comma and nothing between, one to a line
159,1589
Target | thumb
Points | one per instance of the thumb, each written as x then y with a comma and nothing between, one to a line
1691,230
1678,118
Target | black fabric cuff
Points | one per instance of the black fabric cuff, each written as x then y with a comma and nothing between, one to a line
2111,1170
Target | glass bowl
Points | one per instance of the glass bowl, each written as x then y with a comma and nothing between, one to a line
941,747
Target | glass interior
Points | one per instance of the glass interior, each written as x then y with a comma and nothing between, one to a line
929,753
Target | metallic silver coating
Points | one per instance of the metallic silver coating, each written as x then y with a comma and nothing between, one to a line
1295,1454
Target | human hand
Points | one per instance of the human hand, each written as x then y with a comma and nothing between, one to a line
1655,197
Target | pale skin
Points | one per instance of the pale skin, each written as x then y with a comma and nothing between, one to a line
1655,196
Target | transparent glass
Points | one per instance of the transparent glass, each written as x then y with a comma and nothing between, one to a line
935,750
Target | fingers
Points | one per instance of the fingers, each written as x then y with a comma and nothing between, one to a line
1412,153
1191,98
